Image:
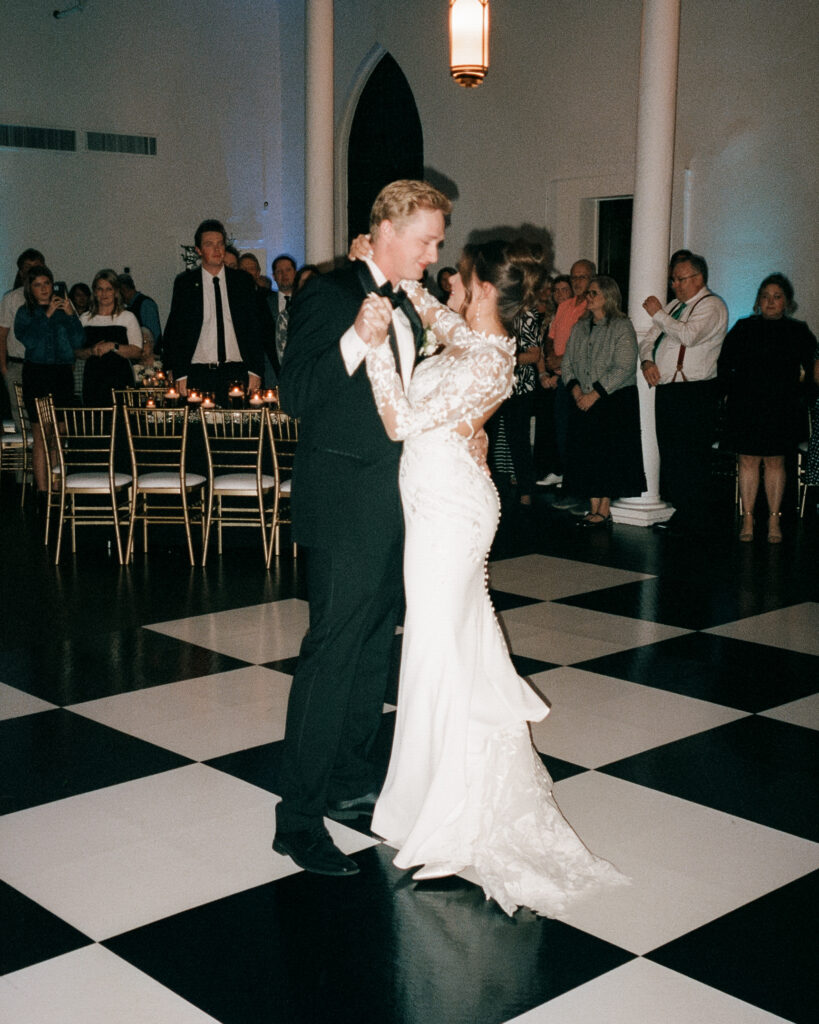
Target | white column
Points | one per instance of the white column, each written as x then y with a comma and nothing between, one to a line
318,200
651,222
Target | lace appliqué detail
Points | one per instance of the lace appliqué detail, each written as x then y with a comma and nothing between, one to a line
472,374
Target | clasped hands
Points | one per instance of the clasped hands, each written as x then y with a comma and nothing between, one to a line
584,400
373,320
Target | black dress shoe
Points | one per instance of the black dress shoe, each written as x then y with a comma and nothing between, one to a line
345,810
314,850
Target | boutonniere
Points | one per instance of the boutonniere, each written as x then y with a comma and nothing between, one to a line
429,344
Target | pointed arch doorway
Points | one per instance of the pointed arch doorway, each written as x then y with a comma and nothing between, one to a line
386,141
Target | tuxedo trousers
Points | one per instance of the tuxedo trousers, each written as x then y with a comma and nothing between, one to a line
355,592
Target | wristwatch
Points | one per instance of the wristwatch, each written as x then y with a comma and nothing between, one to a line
116,346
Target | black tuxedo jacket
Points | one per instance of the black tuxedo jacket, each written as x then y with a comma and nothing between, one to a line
187,312
345,481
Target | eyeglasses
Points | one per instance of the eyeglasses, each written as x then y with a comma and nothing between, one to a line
679,280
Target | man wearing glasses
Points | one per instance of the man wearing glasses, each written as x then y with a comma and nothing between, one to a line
678,357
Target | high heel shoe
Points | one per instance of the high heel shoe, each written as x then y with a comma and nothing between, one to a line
595,519
746,534
774,529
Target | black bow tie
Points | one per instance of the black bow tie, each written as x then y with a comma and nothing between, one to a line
397,298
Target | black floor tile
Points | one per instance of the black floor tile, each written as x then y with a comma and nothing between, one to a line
375,947
754,768
691,604
503,601
764,953
560,769
72,670
260,766
735,673
531,666
56,754
30,933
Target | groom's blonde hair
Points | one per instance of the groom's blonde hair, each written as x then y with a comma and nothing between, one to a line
399,200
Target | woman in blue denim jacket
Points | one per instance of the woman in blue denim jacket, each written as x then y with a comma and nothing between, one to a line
50,330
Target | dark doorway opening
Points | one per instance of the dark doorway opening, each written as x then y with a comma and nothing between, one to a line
386,142
614,240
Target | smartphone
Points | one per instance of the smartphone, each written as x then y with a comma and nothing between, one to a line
59,289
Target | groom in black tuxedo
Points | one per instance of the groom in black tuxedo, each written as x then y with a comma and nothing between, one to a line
346,513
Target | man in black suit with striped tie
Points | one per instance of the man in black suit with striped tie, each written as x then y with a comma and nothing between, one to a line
346,514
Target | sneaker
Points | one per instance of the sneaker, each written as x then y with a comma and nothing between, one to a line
566,503
550,480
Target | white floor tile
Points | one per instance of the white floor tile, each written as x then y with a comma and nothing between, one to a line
689,864
795,628
91,986
799,712
120,857
641,992
201,718
564,634
258,633
549,578
597,719
15,703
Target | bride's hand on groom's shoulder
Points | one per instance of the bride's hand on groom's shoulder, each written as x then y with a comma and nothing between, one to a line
373,319
361,248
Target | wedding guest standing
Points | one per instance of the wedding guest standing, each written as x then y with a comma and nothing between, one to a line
600,370
112,339
761,363
50,331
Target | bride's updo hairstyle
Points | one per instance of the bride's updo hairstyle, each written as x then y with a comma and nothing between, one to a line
512,268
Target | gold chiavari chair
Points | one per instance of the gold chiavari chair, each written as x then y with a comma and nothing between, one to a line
48,425
285,431
240,493
15,448
89,491
137,397
163,490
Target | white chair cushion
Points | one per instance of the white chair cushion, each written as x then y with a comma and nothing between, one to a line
285,486
14,440
167,481
241,482
94,481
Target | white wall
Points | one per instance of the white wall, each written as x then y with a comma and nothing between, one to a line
554,123
221,86
204,78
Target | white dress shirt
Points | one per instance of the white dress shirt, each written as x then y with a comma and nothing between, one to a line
353,349
11,302
700,329
206,348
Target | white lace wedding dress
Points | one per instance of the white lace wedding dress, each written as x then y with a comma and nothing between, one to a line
465,787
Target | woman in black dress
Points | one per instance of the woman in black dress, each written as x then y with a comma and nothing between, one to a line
112,339
761,363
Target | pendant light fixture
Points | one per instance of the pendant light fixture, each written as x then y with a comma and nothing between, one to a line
468,41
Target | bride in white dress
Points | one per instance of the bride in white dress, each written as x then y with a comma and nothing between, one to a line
465,787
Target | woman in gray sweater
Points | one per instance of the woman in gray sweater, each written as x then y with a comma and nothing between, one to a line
604,455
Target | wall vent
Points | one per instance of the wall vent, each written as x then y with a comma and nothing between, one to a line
19,136
107,142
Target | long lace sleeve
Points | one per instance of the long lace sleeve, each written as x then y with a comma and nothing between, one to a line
472,381
447,326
